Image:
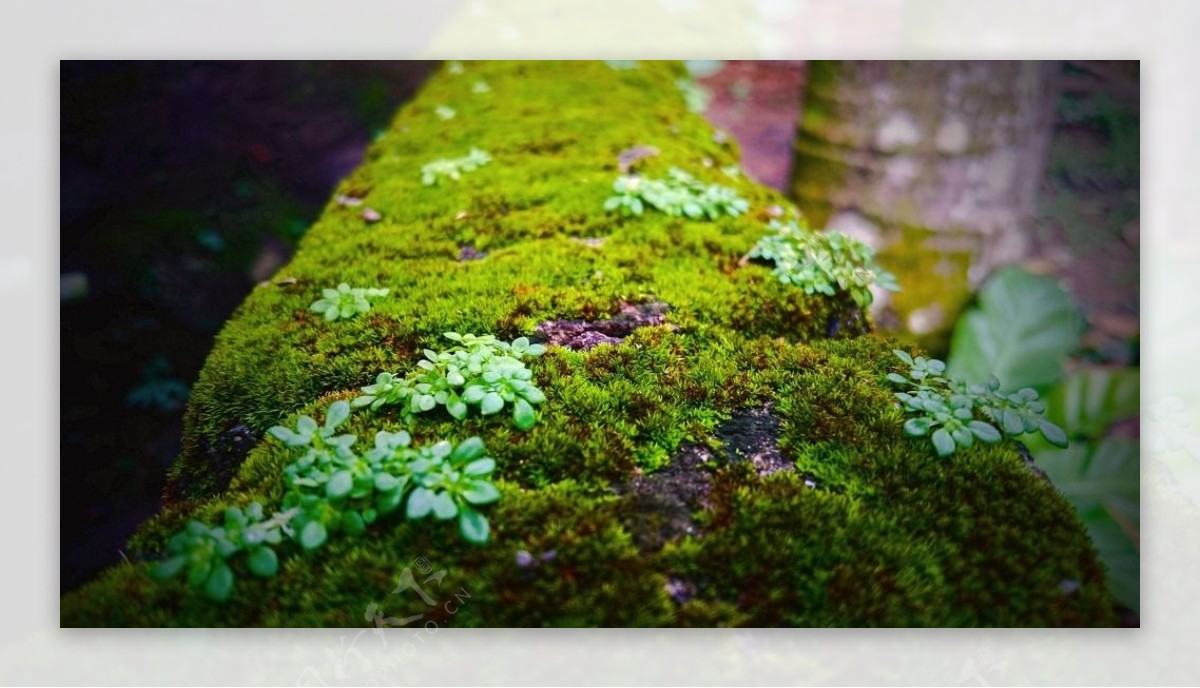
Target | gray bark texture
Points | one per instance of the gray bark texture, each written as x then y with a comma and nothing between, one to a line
953,147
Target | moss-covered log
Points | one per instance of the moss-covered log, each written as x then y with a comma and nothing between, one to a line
728,455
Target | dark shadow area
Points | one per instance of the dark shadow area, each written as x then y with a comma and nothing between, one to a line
182,185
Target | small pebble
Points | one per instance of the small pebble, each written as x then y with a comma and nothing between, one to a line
371,215
524,559
348,201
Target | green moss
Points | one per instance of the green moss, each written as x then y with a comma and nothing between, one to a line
887,535
933,267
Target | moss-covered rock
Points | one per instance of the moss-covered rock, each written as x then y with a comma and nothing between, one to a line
722,462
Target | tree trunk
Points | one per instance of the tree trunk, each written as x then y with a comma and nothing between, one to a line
901,152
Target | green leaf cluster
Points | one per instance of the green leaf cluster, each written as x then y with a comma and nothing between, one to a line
452,168
822,262
204,551
345,491
680,195
479,371
345,302
954,413
332,488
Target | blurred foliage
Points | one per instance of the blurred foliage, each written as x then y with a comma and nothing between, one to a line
1028,326
1022,330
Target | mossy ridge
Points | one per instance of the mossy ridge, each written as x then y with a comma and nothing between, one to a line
889,535
903,539
545,186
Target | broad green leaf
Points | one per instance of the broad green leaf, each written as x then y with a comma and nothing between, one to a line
385,482
353,523
339,485
444,506
1053,434
420,502
473,526
943,442
312,535
467,450
220,583
198,573
917,427
524,417
985,431
1022,331
481,467
480,492
168,568
387,502
262,562
1012,423
337,414
285,435
492,403
1088,401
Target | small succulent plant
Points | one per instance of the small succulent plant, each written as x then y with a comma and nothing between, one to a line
345,302
954,414
822,262
680,195
452,168
478,371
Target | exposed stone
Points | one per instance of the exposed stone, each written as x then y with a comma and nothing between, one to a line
753,435
468,252
631,156
585,334
664,501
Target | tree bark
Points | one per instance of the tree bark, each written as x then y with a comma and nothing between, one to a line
953,149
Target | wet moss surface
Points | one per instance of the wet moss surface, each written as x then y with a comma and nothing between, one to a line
640,498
